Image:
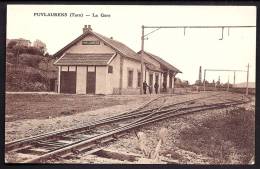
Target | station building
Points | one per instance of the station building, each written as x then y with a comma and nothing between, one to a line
95,64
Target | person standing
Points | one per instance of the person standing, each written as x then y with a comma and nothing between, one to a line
156,86
144,86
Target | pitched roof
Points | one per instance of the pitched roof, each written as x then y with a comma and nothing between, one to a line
85,59
116,45
122,48
162,62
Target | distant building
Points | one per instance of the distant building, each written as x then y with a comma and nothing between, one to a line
95,64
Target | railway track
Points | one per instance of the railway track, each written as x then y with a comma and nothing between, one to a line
66,143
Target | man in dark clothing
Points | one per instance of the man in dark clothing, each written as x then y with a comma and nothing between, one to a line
156,86
144,87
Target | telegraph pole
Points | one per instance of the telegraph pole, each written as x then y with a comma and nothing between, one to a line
204,80
205,70
200,75
247,78
222,27
142,61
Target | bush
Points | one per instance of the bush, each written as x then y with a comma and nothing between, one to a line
10,57
36,77
30,60
11,44
34,51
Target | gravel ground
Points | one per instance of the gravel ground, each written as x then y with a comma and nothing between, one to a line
181,144
173,148
44,106
29,127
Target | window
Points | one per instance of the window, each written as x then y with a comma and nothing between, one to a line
64,68
150,79
139,79
130,78
72,68
110,69
91,68
89,42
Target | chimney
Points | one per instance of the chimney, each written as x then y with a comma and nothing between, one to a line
87,28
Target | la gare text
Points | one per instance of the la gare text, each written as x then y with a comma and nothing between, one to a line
71,14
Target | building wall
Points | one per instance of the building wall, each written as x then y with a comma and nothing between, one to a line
59,78
130,65
113,79
81,80
79,48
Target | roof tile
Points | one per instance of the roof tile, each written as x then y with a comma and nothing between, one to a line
85,59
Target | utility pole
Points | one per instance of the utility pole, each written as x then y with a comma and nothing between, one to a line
204,80
142,61
200,75
184,28
247,78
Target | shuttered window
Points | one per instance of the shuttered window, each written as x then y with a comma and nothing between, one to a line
139,79
110,69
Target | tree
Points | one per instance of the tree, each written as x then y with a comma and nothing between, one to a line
40,45
11,44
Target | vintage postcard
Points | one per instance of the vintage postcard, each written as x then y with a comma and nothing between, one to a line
130,84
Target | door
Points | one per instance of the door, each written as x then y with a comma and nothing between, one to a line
91,82
68,82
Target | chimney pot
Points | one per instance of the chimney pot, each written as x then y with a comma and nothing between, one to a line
86,28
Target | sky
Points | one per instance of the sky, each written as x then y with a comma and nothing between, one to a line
199,47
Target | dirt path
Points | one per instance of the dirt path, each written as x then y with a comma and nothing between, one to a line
28,127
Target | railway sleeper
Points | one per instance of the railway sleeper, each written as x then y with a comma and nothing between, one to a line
21,148
89,149
34,151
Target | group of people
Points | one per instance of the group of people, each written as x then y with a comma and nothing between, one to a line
145,86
